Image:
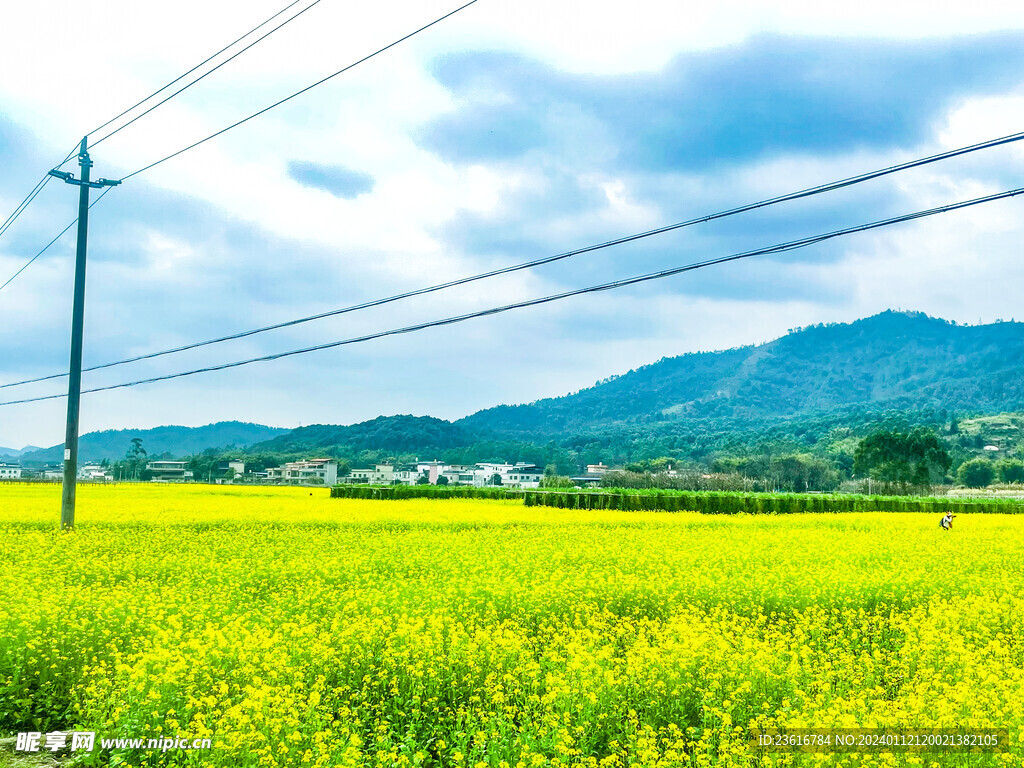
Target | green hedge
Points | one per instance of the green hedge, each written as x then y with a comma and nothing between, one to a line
730,503
392,492
705,502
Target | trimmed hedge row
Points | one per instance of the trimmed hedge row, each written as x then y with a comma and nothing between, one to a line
705,502
728,503
392,492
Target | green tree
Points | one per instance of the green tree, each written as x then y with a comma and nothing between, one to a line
423,479
976,473
1010,470
909,458
136,459
442,480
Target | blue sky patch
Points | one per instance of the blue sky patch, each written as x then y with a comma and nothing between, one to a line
339,181
716,108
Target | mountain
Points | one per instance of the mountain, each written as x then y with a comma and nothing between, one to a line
174,441
18,451
886,371
892,361
400,434
14,453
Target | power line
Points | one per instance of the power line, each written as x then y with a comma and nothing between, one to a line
46,178
233,125
811,191
47,247
25,203
211,71
186,74
31,196
299,93
779,248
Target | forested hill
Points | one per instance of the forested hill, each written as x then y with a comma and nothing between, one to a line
890,365
893,360
399,434
173,440
882,367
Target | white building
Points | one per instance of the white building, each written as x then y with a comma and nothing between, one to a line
381,474
10,472
458,475
432,469
409,476
495,475
308,472
170,470
524,476
487,474
94,473
237,466
490,474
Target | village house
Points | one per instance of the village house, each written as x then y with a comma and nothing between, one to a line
308,472
381,474
10,472
94,473
486,474
170,471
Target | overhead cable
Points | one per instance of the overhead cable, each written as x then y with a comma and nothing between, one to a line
780,248
46,178
809,192
244,120
182,76
47,246
27,201
234,56
298,93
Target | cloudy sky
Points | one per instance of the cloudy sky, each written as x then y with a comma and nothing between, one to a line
509,132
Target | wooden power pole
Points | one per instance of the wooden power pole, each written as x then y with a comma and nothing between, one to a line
67,509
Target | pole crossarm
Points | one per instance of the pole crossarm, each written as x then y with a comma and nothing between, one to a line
69,178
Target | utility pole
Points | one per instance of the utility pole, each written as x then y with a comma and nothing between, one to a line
67,508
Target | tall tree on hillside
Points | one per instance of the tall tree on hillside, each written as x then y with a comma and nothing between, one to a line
136,457
909,458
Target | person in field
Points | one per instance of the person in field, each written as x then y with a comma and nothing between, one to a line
947,521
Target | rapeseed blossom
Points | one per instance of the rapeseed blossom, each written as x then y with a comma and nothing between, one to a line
297,630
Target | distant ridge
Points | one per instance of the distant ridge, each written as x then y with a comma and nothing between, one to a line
402,434
893,361
172,440
13,453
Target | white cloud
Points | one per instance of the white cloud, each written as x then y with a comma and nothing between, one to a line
70,65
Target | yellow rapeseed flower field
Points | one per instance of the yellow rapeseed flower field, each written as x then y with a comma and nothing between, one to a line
296,630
